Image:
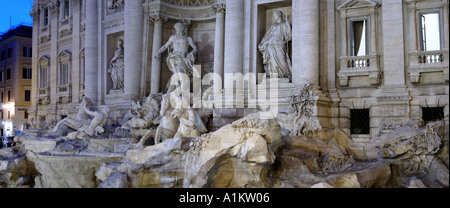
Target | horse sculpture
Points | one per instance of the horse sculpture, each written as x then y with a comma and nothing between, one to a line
168,125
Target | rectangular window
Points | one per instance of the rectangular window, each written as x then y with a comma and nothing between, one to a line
359,38
9,114
45,21
3,55
27,52
64,74
25,114
2,97
43,78
10,53
430,34
8,74
432,114
27,95
359,121
9,96
1,76
66,9
26,73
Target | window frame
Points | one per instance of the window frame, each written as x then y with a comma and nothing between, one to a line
43,77
421,32
27,73
25,95
27,51
351,34
8,74
45,17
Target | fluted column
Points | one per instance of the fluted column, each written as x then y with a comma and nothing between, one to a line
134,21
305,42
219,41
155,84
91,50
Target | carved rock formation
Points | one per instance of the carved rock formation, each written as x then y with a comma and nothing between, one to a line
420,152
234,156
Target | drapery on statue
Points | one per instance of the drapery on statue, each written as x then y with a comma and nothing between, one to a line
180,60
274,47
116,66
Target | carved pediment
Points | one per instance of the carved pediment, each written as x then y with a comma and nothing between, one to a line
64,54
355,4
44,59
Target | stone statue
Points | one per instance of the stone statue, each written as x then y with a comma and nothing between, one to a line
116,4
180,60
168,125
116,66
274,47
82,118
91,127
191,124
142,115
98,122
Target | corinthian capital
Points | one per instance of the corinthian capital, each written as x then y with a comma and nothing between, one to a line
219,6
157,19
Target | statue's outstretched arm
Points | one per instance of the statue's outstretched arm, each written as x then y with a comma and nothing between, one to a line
164,47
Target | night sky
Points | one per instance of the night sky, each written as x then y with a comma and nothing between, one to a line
18,10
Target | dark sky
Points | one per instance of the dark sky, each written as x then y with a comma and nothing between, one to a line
18,10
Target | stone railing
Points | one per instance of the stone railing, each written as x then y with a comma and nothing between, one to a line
426,62
45,34
357,66
65,27
357,62
43,96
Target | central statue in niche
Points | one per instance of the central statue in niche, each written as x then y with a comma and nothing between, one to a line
274,47
180,60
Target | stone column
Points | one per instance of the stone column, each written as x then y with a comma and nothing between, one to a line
76,13
134,24
305,42
219,41
155,83
234,40
91,50
35,13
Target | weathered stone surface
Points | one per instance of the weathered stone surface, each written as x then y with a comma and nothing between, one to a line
416,183
115,180
15,169
416,151
36,142
348,180
234,156
67,171
322,185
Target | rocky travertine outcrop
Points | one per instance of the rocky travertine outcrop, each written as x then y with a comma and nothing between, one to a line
420,152
307,162
237,155
15,169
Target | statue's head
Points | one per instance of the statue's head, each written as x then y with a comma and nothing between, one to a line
119,43
106,110
277,16
179,28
